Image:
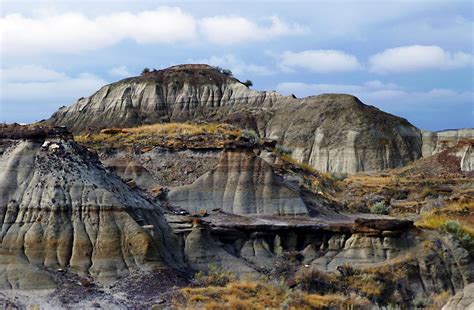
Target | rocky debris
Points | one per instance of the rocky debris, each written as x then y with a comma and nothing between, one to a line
241,183
384,223
330,132
161,167
64,209
33,132
452,160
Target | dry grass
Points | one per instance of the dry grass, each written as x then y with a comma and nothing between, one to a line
463,212
303,166
258,295
173,135
174,129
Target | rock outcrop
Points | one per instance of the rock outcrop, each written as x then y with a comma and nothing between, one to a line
241,183
59,208
331,132
179,93
438,141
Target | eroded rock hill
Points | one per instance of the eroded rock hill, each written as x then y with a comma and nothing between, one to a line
331,132
241,183
59,208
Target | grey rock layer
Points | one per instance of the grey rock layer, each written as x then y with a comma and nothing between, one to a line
241,183
331,132
59,208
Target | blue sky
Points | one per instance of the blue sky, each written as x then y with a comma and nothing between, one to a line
411,58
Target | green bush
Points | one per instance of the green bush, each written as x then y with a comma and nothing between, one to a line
283,150
251,136
419,301
380,208
227,72
460,234
248,83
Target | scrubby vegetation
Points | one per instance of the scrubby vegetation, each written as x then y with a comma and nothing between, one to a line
282,150
217,289
456,218
171,135
251,136
303,166
248,83
380,208
224,71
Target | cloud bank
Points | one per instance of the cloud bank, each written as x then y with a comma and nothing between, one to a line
418,57
321,61
75,32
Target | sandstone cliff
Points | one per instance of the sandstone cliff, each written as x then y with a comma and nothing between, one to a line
59,208
335,133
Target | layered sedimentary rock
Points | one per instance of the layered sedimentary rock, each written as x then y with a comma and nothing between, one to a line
180,93
338,133
331,132
438,141
59,208
241,183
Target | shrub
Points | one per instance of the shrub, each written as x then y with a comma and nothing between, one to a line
282,150
460,234
223,71
248,83
380,208
419,301
251,136
339,176
145,71
227,72
214,276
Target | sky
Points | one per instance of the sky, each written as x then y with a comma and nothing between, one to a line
411,58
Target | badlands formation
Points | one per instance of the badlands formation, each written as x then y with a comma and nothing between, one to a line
324,201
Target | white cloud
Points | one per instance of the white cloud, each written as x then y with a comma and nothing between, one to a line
418,57
30,73
236,29
121,71
39,98
388,96
76,32
320,61
235,64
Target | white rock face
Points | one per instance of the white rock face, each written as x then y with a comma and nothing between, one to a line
467,158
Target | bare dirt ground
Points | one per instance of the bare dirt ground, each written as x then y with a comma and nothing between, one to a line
138,290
